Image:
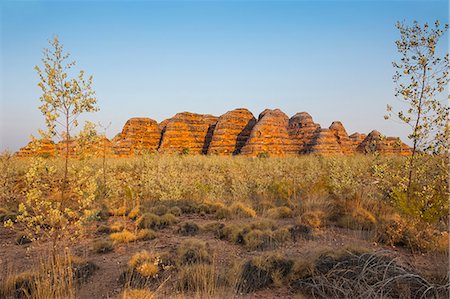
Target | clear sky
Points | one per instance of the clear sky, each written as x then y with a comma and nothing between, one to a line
156,58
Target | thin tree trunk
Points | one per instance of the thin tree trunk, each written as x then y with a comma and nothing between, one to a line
416,126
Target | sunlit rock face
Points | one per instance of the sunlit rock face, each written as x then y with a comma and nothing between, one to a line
270,135
302,130
231,132
139,135
188,132
236,132
376,142
41,148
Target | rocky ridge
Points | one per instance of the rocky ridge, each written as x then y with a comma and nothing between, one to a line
236,132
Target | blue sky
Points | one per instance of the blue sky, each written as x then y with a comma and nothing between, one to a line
156,58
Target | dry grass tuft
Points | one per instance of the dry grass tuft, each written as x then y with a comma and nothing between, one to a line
193,251
188,229
240,210
279,213
137,294
102,246
123,237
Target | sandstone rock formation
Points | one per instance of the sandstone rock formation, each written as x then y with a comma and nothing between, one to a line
325,143
235,132
231,132
376,142
38,147
270,135
302,131
188,133
139,135
342,138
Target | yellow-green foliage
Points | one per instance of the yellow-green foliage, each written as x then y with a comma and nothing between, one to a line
124,236
137,294
279,213
240,210
116,226
134,213
120,211
145,234
145,263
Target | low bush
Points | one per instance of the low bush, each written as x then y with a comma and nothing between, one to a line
159,210
193,251
102,246
198,279
312,218
224,213
301,231
138,294
188,229
124,236
262,272
176,211
240,210
145,234
143,267
259,240
279,213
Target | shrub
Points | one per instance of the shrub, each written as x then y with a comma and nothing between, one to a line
102,246
300,231
263,271
145,234
239,210
175,211
138,294
279,213
258,240
124,236
223,213
143,267
149,220
359,219
159,210
214,227
188,229
198,279
281,235
167,219
193,251
312,218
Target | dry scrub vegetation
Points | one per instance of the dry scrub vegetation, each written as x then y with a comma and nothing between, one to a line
219,227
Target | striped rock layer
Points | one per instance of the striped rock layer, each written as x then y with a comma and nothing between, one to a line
236,132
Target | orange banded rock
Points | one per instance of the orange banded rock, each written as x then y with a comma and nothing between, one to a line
188,133
270,135
231,132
